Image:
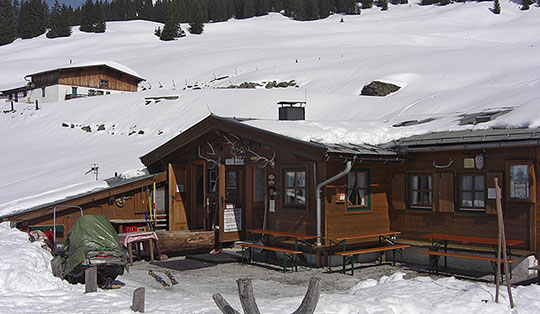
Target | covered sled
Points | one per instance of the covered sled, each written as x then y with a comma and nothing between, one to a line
93,242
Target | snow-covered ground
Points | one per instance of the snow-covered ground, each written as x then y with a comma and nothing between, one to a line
449,60
27,286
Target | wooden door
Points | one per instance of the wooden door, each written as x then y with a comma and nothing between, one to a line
197,211
177,197
231,206
256,197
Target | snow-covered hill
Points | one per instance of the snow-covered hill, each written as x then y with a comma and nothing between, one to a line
449,61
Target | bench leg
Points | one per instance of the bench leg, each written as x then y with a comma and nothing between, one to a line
344,263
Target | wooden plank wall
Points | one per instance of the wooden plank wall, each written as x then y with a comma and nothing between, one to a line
45,79
92,76
339,221
136,203
518,216
294,219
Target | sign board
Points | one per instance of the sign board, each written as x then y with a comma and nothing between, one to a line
232,219
272,206
234,161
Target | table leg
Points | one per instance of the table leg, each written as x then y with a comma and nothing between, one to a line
130,250
446,257
151,246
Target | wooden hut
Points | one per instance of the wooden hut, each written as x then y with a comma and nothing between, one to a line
74,81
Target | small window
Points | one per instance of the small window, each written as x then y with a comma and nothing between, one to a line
519,181
212,181
295,188
357,190
232,180
103,84
473,192
421,191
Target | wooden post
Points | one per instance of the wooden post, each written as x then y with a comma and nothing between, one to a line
37,105
90,279
12,108
309,303
502,239
223,305
138,300
245,293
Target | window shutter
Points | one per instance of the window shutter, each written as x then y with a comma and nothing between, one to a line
398,191
491,204
445,191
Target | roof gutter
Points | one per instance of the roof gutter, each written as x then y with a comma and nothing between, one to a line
471,146
319,197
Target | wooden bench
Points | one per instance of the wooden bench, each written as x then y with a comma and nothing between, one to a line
349,256
288,255
434,259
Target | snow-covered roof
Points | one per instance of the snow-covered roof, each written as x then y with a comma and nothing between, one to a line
113,65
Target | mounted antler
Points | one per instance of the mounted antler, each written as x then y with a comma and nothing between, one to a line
212,153
267,161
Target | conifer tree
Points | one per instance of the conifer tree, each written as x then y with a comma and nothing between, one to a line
59,21
384,5
171,28
366,4
32,18
88,16
496,7
196,25
8,27
248,9
99,24
526,5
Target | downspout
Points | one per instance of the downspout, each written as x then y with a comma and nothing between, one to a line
319,196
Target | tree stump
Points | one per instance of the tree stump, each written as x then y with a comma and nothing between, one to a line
138,300
90,279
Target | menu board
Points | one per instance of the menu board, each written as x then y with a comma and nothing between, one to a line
232,219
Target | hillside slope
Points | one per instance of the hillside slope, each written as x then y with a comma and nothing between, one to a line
450,61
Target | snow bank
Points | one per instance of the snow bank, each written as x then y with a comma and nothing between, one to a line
24,266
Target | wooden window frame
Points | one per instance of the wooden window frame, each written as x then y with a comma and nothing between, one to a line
103,83
285,187
367,189
472,209
410,190
531,181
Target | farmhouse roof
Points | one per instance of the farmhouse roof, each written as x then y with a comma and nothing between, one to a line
308,149
116,185
109,64
470,138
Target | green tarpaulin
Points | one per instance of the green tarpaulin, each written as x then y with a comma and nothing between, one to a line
91,235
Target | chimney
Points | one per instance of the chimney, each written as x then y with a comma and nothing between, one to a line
292,110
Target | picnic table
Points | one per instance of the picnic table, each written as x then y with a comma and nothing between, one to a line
300,240
127,239
440,240
386,242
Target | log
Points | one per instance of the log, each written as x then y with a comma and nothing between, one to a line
174,243
138,300
247,298
309,303
223,305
